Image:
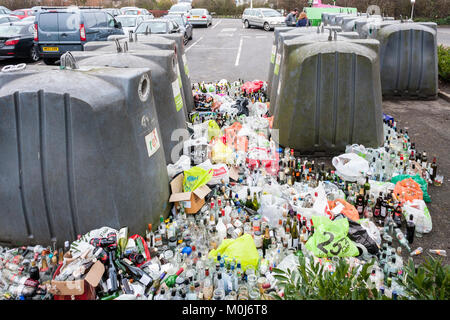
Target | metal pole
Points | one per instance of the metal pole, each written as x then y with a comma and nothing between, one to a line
412,11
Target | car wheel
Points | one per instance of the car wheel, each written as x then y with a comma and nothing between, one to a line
34,54
192,34
246,24
50,61
266,26
185,39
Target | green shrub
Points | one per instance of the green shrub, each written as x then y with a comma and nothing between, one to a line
444,62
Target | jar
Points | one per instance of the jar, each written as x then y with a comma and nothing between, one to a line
254,294
242,293
252,280
219,294
172,242
231,296
258,239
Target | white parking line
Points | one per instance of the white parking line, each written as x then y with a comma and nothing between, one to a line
239,53
216,24
193,44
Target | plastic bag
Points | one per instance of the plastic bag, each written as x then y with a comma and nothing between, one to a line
408,190
258,109
377,186
241,249
371,229
220,153
421,215
195,178
346,209
330,238
183,164
213,130
417,178
358,149
196,149
360,235
351,167
320,206
220,172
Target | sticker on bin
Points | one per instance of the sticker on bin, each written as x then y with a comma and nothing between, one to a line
277,64
179,75
152,142
274,52
177,95
186,68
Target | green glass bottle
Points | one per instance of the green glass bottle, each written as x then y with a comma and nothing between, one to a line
171,280
366,186
255,203
111,296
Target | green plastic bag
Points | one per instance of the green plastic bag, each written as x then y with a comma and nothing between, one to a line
417,178
196,177
242,249
330,238
213,130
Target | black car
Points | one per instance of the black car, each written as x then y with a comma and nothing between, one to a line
184,24
16,41
161,26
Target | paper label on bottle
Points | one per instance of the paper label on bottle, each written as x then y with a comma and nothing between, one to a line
145,280
230,286
152,142
274,52
186,69
177,95
109,284
277,64
295,242
383,211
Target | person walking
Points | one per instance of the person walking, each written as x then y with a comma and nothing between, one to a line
302,20
291,18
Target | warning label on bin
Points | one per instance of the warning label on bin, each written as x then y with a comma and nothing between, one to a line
186,69
277,64
152,142
177,95
274,52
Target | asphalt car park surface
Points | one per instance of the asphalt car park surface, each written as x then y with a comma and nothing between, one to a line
226,50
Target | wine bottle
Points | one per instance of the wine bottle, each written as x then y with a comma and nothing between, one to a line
112,282
156,284
171,280
137,273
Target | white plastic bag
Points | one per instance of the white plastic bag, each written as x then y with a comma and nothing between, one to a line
371,229
421,216
358,149
271,213
183,164
378,186
220,172
351,167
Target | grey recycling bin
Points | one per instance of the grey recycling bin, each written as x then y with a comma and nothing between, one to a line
329,95
79,150
184,69
161,41
167,92
339,20
274,55
323,34
142,44
408,59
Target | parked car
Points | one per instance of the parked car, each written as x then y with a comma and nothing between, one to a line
161,26
113,11
4,10
124,9
185,25
200,17
183,7
62,30
23,13
16,41
29,19
6,18
129,22
266,18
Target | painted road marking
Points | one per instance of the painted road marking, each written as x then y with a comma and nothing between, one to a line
216,24
228,29
239,53
193,44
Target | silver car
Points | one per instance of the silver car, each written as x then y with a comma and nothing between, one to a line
6,18
266,18
199,17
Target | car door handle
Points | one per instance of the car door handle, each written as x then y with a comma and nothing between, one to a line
63,34
91,32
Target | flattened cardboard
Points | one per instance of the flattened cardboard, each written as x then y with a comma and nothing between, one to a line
95,274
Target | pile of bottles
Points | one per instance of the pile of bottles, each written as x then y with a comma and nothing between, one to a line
172,261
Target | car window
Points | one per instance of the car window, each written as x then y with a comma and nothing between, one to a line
153,27
127,22
2,20
89,20
197,12
9,31
111,22
68,21
18,13
101,20
271,13
48,21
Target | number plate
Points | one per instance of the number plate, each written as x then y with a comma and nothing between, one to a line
50,49
195,17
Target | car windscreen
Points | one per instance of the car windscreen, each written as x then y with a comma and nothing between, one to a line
153,27
132,12
18,13
10,31
178,8
197,12
127,21
271,13
177,19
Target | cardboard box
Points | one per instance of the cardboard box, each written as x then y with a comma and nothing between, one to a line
193,201
79,289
